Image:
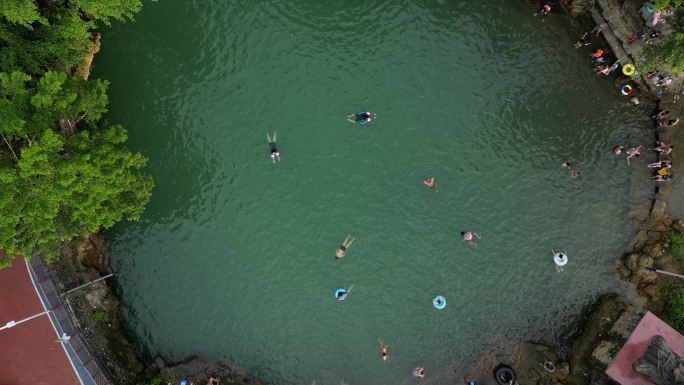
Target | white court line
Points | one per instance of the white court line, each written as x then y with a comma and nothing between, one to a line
28,270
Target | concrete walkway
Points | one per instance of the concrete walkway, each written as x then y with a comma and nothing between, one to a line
29,353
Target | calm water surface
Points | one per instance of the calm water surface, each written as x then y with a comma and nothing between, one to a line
234,256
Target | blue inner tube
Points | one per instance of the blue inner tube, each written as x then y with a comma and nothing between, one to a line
439,302
340,294
504,374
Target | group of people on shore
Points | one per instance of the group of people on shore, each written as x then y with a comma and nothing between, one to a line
663,165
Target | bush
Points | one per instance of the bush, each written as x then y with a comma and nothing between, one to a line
673,313
156,381
676,242
659,5
100,315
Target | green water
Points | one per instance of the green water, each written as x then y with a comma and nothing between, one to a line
234,256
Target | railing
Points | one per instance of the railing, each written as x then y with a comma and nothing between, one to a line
63,317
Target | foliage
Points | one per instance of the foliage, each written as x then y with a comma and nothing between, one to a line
23,12
63,173
110,9
155,381
659,5
676,241
42,35
100,315
673,313
670,52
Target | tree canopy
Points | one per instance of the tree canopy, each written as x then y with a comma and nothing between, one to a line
65,173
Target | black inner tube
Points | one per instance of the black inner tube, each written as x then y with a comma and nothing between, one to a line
504,375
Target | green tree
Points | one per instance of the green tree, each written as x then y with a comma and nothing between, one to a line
670,52
23,12
105,10
63,176
59,44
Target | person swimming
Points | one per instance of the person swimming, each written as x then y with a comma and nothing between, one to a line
383,352
430,182
341,294
274,147
633,153
361,117
342,250
618,149
544,10
470,237
418,372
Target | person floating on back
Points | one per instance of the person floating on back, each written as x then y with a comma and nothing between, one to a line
274,148
342,250
361,117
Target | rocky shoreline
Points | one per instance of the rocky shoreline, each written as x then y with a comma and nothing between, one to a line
97,310
606,324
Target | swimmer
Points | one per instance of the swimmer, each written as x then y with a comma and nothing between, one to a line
618,149
632,153
669,123
360,117
662,114
213,381
634,101
470,380
383,350
566,164
548,366
418,372
544,10
469,236
582,41
597,54
341,295
343,248
662,178
430,182
661,164
274,148
574,174
560,259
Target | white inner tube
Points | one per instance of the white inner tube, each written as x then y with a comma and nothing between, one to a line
561,259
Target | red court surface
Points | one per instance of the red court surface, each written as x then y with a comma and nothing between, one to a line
29,354
650,326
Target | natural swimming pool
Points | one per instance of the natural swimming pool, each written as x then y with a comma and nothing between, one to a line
234,256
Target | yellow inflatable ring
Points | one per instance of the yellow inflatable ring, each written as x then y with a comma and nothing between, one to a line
628,69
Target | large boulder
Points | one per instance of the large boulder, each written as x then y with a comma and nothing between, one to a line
660,365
